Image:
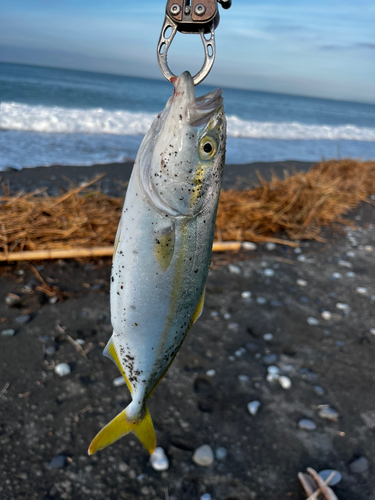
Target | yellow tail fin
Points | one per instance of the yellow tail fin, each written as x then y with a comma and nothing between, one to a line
120,426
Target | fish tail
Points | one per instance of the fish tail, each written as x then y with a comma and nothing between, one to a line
120,426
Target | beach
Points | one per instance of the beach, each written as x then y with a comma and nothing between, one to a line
307,311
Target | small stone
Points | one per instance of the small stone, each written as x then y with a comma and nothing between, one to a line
328,413
270,359
359,466
326,315
301,258
80,341
20,272
269,272
206,496
231,358
53,300
210,373
306,424
298,250
350,274
336,478
119,381
268,337
285,382
368,248
249,245
273,370
123,467
336,276
319,391
272,377
343,307
51,349
253,407
270,246
22,320
233,326
234,269
302,283
246,295
243,378
12,300
227,316
372,331
345,263
261,301
240,352
62,369
361,290
9,332
159,460
221,453
312,321
57,462
351,254
204,456
214,314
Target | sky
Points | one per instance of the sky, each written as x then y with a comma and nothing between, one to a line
317,48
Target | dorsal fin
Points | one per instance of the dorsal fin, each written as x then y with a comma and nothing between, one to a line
110,352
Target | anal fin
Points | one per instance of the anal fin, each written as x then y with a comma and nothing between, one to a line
110,352
199,308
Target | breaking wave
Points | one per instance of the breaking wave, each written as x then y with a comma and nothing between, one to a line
44,119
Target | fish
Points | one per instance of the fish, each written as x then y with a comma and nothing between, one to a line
162,249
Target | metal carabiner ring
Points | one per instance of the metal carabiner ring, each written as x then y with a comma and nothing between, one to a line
165,42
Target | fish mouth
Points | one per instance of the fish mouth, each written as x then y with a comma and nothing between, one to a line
199,110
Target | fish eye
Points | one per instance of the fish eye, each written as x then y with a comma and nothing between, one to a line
207,148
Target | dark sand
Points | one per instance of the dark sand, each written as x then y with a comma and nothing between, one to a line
43,416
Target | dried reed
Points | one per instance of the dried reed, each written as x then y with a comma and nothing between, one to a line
298,205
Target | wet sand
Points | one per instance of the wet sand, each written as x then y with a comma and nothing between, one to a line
328,361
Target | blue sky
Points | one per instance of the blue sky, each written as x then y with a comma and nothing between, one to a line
312,47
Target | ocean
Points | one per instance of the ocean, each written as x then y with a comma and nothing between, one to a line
53,116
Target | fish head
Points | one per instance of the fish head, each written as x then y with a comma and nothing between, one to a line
182,158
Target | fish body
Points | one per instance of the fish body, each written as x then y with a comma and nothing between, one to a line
163,248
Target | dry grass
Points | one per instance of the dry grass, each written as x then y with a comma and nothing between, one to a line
298,205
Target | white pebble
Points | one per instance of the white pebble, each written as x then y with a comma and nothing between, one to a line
326,315
285,382
345,263
261,301
221,453
227,315
243,378
234,269
368,248
273,370
80,341
298,250
269,272
119,381
253,407
350,254
361,290
270,246
249,245
246,295
159,460
301,282
215,314
272,377
312,321
233,326
268,337
350,274
231,358
301,258
337,276
210,373
206,496
204,456
372,331
62,369
342,307
306,424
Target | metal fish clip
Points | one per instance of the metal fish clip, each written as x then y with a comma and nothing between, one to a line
191,17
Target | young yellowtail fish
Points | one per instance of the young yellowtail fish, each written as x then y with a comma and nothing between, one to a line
163,249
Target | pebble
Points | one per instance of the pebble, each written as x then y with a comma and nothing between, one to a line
261,301
319,391
221,453
253,407
249,245
12,300
53,300
312,321
80,341
359,466
368,248
214,314
204,456
270,359
306,424
51,349
57,462
272,377
361,290
233,326
336,276
234,269
372,331
324,474
62,369
243,378
301,258
227,316
350,274
273,370
269,272
270,246
302,283
285,382
206,496
246,295
345,263
372,297
343,307
119,381
326,315
159,460
240,352
350,254
297,250
22,320
268,337
210,373
325,411
8,333
20,272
